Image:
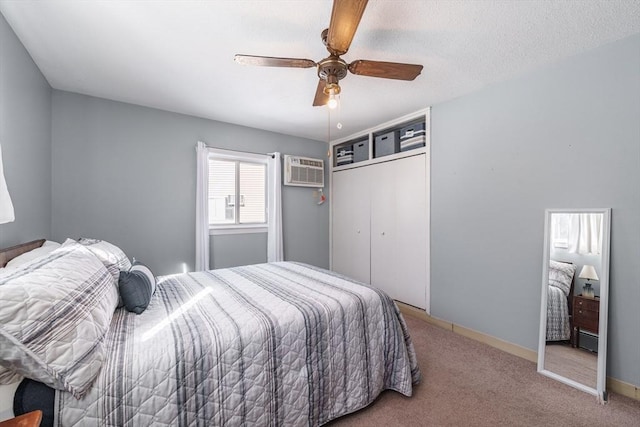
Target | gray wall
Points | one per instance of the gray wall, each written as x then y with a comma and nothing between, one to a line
231,250
25,135
567,136
126,174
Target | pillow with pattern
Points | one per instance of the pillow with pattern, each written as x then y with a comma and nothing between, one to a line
111,256
54,317
561,275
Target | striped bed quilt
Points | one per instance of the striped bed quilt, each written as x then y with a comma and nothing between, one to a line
264,345
558,325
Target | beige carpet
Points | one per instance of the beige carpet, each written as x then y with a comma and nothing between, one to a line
467,383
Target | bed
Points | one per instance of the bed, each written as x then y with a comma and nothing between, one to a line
270,344
559,292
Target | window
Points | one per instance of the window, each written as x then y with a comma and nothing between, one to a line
560,230
237,191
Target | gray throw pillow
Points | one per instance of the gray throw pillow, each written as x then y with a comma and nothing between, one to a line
136,287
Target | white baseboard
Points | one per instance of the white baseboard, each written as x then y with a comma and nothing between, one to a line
613,384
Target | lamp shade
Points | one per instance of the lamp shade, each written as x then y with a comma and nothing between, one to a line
6,207
588,272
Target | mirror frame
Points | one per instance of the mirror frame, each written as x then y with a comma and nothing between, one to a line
600,390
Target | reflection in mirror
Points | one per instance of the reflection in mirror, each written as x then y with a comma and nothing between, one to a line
575,284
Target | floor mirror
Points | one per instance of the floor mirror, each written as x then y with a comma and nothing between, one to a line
575,288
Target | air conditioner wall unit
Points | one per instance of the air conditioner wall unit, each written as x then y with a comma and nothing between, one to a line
303,171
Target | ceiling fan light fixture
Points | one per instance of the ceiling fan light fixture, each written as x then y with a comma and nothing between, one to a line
333,91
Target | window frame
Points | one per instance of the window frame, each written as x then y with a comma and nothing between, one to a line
240,157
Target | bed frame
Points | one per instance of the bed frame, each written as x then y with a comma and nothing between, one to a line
8,254
572,335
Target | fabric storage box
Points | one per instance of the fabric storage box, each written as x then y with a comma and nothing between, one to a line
344,155
411,143
386,144
361,151
412,130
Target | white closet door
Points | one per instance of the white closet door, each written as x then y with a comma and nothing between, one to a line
351,224
399,229
411,230
383,227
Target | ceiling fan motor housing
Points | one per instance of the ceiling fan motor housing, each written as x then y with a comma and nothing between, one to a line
332,69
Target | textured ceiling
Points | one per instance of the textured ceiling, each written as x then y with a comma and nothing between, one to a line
178,55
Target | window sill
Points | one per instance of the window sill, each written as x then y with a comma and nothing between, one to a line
237,229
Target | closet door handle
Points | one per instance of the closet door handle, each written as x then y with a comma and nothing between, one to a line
382,233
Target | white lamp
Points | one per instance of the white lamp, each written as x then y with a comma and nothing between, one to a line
588,272
6,207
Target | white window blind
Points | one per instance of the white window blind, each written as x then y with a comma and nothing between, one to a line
222,192
252,193
237,192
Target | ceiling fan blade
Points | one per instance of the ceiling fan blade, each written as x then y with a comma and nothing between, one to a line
269,61
321,98
385,70
345,17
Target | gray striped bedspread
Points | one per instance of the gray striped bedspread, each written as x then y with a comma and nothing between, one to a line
558,325
263,345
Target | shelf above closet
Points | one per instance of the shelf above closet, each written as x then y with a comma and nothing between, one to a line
403,137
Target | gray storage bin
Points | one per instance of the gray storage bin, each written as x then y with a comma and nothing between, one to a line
344,155
386,144
412,130
361,151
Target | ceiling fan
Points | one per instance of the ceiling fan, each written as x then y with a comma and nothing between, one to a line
345,17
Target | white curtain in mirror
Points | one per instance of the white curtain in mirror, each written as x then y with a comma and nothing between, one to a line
585,234
578,233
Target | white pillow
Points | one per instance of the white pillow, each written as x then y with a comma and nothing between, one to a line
111,256
46,248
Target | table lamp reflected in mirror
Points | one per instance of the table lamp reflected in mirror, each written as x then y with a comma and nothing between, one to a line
588,272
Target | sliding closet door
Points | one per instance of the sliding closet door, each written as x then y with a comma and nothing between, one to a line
351,223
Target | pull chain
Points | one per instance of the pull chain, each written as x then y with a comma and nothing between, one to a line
329,132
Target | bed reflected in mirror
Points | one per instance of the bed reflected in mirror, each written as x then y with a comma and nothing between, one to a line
572,346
